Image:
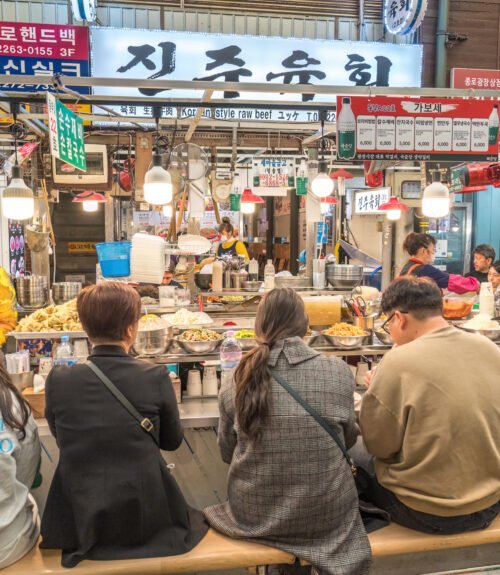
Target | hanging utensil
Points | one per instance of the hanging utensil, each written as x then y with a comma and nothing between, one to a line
361,303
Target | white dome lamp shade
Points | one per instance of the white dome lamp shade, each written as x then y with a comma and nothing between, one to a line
436,200
18,201
322,185
157,184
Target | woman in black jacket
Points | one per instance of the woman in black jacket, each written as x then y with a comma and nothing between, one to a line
112,496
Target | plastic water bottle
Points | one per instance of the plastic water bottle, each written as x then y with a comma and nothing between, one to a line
487,300
493,126
269,274
64,353
346,125
230,357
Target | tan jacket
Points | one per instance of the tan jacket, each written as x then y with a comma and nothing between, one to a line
431,418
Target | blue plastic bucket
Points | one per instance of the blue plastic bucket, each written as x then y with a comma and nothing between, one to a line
114,259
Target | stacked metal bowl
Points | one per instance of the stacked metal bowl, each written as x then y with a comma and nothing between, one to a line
32,292
344,276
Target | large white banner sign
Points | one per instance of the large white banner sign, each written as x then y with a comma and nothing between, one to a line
158,54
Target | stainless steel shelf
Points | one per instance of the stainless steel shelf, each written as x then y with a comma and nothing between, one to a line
47,334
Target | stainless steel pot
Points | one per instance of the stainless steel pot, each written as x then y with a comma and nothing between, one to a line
32,292
344,276
65,291
153,342
295,282
237,279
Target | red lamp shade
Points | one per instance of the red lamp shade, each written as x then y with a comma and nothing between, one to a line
329,200
248,197
393,208
341,173
89,197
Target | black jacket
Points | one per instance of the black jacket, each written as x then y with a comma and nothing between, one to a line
112,497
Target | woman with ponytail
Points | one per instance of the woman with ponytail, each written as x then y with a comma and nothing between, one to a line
289,485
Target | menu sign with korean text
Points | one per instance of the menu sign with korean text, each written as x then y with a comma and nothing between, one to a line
273,172
421,129
475,79
403,17
369,201
66,134
171,55
43,50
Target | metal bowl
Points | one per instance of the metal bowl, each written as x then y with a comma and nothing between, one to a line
493,334
247,343
63,292
32,292
251,285
346,341
153,342
199,346
295,282
344,276
310,340
203,281
383,337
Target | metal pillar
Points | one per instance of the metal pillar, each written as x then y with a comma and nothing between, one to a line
441,37
387,235
294,232
270,227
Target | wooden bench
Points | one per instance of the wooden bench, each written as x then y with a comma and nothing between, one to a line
217,552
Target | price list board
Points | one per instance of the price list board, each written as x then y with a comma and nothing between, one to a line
385,128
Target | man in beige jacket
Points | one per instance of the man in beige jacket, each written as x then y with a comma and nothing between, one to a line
431,417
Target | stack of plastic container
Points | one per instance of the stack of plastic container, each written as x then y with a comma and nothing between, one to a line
147,259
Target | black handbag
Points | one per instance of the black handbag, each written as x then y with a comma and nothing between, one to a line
326,426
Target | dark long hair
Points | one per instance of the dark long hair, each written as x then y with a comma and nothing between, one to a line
13,418
414,241
280,314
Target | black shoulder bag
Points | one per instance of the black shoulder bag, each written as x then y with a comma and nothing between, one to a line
144,422
331,432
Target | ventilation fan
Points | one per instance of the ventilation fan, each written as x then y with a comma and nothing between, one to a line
190,160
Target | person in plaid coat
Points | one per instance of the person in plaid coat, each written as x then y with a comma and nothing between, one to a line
289,485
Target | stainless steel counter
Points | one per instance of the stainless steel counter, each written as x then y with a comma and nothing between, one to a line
194,414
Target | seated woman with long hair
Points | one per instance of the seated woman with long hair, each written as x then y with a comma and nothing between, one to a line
289,484
112,496
19,461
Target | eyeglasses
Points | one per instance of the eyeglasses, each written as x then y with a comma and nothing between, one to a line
385,325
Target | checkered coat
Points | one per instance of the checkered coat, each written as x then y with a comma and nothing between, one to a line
294,490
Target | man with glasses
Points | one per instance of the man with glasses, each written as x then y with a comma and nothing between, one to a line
431,417
484,256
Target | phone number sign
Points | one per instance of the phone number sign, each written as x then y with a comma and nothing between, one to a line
43,50
421,129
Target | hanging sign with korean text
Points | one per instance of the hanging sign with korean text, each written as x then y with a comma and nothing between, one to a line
66,134
162,55
386,128
475,79
43,50
402,17
369,201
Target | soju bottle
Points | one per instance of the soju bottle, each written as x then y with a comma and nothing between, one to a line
256,175
493,126
346,129
291,176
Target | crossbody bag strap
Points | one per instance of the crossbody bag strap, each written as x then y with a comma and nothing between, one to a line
327,427
144,422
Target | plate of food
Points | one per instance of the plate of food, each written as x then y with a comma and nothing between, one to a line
246,338
483,325
199,340
345,335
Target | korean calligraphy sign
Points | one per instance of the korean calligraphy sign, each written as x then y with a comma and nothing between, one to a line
66,134
422,129
43,50
369,201
187,56
403,17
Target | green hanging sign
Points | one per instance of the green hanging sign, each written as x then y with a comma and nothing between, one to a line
66,134
301,189
234,202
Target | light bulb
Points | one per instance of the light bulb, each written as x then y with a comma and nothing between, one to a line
247,208
436,200
393,215
322,185
167,210
18,202
157,184
90,206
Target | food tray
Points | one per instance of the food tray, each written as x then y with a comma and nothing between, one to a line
47,334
